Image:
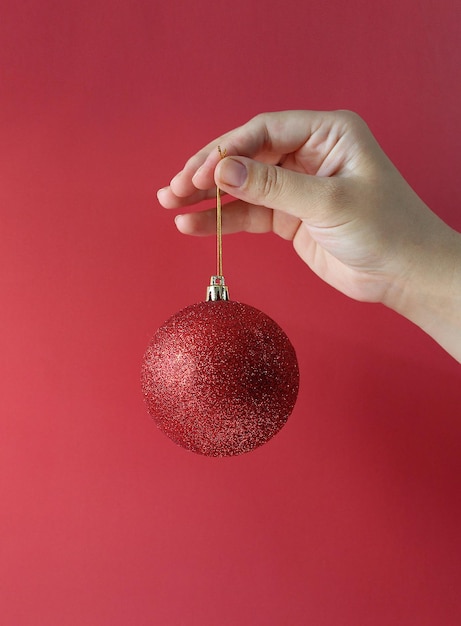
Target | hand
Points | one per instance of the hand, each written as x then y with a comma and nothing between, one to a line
322,181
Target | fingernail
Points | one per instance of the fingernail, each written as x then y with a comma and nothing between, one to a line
160,193
232,172
179,221
172,181
197,173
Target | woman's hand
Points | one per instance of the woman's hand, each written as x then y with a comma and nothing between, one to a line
321,180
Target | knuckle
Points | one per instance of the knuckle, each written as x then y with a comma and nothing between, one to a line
350,116
352,120
268,182
261,118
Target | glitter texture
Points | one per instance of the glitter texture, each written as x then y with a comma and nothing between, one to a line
220,378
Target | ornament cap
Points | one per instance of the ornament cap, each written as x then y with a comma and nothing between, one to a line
217,289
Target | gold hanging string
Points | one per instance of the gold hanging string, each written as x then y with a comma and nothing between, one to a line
222,154
217,289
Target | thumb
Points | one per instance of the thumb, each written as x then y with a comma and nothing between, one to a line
274,187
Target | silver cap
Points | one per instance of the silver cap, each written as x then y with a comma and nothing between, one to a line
217,289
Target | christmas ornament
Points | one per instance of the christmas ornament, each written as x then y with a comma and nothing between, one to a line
220,377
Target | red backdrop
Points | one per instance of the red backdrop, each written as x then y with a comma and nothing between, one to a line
351,515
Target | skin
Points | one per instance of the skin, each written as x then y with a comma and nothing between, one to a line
321,180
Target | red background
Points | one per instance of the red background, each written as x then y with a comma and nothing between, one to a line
349,516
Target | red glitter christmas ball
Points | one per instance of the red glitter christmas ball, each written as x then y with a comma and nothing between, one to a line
220,378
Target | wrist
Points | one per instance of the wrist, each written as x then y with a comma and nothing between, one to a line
427,290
